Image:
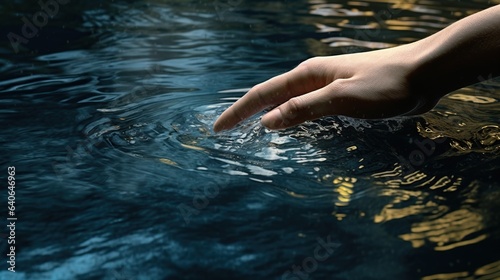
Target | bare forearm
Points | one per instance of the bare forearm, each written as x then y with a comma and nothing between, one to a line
462,54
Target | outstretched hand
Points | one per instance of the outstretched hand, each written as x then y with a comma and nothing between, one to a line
364,85
404,80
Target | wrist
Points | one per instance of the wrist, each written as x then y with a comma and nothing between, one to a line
459,55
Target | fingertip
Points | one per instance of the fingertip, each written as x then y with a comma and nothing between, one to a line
223,123
218,127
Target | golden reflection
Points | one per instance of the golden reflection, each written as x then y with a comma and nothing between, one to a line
168,161
467,118
414,24
411,6
403,5
404,28
447,183
297,195
356,3
489,134
409,179
345,17
464,135
392,210
474,99
344,186
492,269
388,214
411,195
448,232
351,148
446,276
397,171
348,42
327,10
487,272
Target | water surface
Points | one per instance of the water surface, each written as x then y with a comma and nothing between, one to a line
107,113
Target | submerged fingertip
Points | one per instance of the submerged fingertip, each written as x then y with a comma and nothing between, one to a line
218,128
221,126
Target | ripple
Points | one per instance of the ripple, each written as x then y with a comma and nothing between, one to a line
337,10
349,42
112,134
176,129
488,271
420,194
455,229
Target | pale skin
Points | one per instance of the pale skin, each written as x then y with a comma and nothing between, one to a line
404,80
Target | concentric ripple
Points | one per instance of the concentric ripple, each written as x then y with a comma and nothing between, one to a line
176,129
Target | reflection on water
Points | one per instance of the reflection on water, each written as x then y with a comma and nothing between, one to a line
108,117
448,232
444,227
489,271
465,113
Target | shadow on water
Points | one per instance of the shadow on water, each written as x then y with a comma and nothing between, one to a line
107,112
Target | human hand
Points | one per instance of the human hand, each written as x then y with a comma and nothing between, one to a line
404,80
374,84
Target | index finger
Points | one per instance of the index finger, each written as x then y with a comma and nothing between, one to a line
277,90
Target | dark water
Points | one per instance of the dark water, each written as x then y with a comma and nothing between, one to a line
106,115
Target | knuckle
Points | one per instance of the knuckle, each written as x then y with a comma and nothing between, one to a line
256,90
308,64
312,70
261,96
237,114
340,87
